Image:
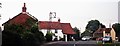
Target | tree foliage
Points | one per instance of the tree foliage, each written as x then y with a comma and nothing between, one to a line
86,33
11,39
77,35
102,26
116,27
93,25
49,36
23,35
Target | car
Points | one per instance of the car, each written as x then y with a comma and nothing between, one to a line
99,39
86,38
107,39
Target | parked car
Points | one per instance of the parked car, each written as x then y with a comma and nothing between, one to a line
107,39
99,39
86,38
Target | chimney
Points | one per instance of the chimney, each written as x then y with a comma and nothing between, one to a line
24,8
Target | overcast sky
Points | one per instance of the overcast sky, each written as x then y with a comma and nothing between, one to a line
75,12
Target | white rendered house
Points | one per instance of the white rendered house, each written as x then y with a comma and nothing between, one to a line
59,29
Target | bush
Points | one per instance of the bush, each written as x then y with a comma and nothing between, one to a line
29,39
20,35
26,39
119,40
39,36
11,39
48,37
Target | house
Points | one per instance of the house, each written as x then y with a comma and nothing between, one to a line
22,18
60,29
102,32
27,20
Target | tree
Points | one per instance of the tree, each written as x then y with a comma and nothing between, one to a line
17,35
48,36
39,36
11,39
77,35
116,27
86,33
102,26
93,25
28,33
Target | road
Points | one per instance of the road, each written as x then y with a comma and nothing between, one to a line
79,43
72,43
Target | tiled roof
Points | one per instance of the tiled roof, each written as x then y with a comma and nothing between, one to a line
19,19
66,27
49,25
108,29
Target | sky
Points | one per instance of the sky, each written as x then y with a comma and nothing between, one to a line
75,12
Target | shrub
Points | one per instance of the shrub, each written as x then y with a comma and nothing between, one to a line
11,39
48,37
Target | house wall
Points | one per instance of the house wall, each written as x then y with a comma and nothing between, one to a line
113,34
106,34
103,33
59,34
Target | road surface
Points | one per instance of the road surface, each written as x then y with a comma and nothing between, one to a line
72,43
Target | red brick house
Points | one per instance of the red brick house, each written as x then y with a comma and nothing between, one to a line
102,32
